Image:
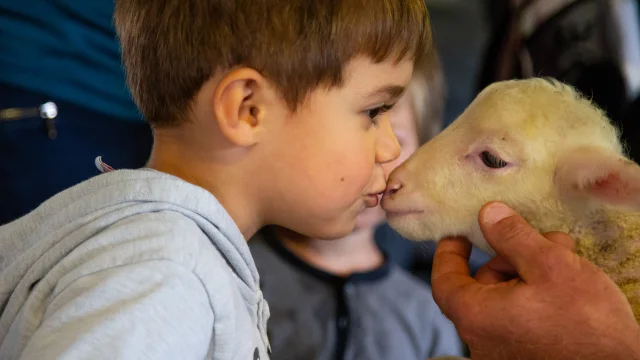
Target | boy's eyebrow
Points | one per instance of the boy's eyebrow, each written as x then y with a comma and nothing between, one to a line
390,91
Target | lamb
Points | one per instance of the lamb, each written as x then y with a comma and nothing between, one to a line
546,151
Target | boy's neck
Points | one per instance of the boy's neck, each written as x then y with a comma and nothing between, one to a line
354,253
210,173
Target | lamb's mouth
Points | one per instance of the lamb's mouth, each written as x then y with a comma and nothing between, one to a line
401,213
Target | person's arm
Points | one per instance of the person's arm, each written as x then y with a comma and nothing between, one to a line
147,310
536,300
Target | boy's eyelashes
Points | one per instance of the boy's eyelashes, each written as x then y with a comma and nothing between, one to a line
375,112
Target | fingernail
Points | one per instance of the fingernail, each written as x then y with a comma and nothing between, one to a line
496,212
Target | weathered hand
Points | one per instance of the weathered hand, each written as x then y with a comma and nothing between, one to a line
536,300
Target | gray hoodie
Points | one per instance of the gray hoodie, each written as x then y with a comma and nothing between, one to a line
132,264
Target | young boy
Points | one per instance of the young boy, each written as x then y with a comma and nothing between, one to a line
264,112
344,299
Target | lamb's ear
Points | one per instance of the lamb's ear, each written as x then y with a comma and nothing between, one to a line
596,175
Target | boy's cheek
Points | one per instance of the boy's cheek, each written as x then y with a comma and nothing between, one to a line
334,189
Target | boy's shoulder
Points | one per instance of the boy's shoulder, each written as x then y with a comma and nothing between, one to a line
150,274
153,254
169,239
162,235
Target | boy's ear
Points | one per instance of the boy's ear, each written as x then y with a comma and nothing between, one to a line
597,176
237,106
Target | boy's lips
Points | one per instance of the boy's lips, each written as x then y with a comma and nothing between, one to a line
372,200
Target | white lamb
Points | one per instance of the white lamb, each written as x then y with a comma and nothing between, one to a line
546,151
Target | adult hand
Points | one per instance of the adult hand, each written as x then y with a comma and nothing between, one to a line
536,300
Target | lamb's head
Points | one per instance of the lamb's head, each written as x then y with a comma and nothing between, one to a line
534,144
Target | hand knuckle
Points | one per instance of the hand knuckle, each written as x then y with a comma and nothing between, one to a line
511,229
556,260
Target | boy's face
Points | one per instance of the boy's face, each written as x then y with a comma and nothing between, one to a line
326,157
404,125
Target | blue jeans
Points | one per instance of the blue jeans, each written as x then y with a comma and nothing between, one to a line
34,167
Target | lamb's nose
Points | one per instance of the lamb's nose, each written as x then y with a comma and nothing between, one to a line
392,187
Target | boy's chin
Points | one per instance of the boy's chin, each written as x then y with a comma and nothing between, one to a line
318,231
335,232
338,228
304,233
331,235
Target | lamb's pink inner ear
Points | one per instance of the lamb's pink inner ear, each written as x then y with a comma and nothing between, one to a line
594,174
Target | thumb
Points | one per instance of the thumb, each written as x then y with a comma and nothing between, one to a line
516,241
499,270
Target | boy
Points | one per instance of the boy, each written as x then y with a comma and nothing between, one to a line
264,112
344,298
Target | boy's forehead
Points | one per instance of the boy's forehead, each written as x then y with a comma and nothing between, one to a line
385,79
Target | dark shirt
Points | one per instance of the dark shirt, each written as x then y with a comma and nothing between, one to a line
383,314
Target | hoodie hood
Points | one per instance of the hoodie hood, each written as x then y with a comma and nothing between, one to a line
33,244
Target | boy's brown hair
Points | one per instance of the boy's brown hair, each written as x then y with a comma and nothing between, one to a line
171,48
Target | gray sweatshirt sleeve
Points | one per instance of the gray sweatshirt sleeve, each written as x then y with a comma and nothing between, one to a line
154,309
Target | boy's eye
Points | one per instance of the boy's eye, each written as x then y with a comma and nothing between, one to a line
377,111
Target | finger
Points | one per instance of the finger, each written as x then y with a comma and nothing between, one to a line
561,239
495,271
516,241
450,274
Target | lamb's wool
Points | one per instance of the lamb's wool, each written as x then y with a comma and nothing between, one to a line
565,171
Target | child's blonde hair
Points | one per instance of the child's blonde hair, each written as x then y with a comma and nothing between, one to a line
427,92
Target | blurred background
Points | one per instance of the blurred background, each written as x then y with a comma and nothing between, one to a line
591,44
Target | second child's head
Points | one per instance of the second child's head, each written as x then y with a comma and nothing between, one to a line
415,119
276,106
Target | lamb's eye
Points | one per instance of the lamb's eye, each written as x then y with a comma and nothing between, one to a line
492,161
